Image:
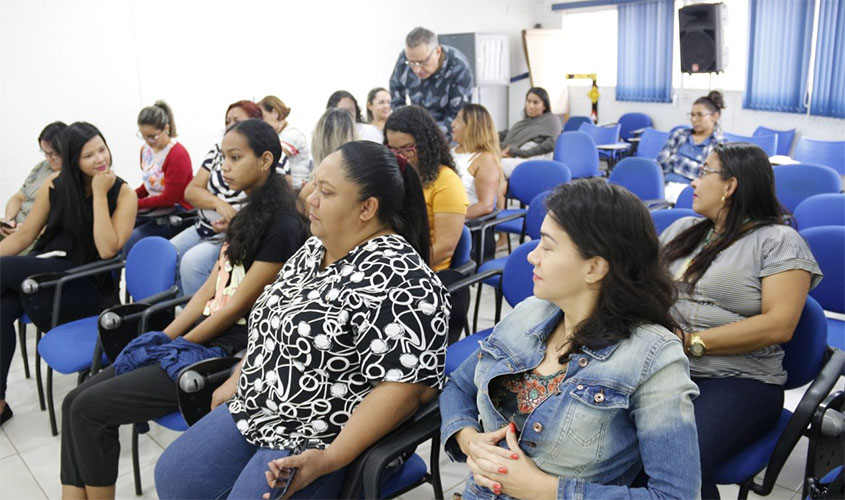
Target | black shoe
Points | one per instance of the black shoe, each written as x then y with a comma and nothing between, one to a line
7,414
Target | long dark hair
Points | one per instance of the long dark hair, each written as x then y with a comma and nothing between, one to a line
52,135
432,147
376,172
336,97
753,204
270,201
543,95
608,221
71,195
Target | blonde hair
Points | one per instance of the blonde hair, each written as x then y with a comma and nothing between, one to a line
334,129
480,134
273,103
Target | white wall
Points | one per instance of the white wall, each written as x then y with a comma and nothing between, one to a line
103,60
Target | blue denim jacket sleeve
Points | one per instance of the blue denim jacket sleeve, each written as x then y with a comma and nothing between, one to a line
458,406
663,412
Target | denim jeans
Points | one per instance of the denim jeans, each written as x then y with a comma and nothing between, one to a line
197,257
213,460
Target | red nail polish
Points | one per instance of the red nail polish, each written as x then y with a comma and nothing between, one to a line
497,486
497,492
513,427
514,456
503,470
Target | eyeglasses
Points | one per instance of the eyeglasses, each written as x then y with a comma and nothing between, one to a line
403,151
417,64
698,116
707,170
52,155
147,138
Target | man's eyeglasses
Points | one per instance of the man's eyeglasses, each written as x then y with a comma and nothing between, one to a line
707,170
417,64
148,138
403,151
698,116
51,155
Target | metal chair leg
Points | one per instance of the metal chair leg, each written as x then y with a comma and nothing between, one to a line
435,468
136,465
50,409
22,342
477,302
38,383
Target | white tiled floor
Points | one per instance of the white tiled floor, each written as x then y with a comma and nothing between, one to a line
29,455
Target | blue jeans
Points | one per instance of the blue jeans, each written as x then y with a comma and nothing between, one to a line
213,460
197,257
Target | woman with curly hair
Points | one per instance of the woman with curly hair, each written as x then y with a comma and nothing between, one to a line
412,133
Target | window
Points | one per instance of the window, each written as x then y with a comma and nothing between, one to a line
644,66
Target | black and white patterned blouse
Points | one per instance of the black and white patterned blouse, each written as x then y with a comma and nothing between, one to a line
320,340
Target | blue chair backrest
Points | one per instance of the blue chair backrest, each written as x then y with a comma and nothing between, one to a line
641,176
785,138
678,127
685,198
768,143
518,274
665,217
150,267
601,135
535,214
632,121
462,251
804,353
828,153
651,142
826,209
577,150
531,177
828,246
575,121
795,183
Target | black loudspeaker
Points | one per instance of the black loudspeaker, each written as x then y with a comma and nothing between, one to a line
702,38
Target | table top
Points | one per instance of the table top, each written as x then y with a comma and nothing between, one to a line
634,139
781,160
613,147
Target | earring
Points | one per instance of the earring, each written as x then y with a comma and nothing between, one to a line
723,199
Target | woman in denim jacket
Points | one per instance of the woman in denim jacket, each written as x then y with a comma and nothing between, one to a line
583,388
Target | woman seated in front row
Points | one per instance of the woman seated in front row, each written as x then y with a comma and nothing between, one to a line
742,279
413,134
260,238
342,348
583,387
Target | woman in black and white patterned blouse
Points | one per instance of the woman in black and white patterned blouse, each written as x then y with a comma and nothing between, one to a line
343,347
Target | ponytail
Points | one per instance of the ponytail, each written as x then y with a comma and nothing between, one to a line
415,215
159,115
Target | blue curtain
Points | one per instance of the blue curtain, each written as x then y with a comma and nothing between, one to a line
828,98
778,55
644,61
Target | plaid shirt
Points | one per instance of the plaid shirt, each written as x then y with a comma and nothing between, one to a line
443,94
682,156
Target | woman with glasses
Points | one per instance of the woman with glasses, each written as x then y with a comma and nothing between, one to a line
742,277
344,100
687,148
412,133
19,205
166,171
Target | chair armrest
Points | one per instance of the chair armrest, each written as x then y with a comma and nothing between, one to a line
466,269
495,222
161,306
657,204
471,280
197,382
475,221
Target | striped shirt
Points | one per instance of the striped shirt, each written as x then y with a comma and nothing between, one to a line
731,290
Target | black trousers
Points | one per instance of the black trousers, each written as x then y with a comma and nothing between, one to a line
93,412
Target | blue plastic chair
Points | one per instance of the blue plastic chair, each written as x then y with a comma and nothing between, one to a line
804,361
785,138
641,176
828,153
602,135
678,127
69,348
795,183
826,209
685,198
651,142
529,179
575,121
768,143
632,121
577,150
828,246
665,217
461,256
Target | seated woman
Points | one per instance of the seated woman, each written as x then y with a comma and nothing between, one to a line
19,205
165,169
742,279
583,387
88,212
412,133
199,246
334,129
261,237
294,144
534,136
477,158
344,100
378,107
687,148
352,332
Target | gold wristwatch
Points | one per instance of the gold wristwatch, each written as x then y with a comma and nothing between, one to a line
696,345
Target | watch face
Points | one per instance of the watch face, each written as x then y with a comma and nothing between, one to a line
696,349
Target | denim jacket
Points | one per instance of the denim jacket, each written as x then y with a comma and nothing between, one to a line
620,409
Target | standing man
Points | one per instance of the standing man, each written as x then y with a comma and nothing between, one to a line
436,77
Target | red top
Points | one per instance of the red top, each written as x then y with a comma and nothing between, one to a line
177,175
